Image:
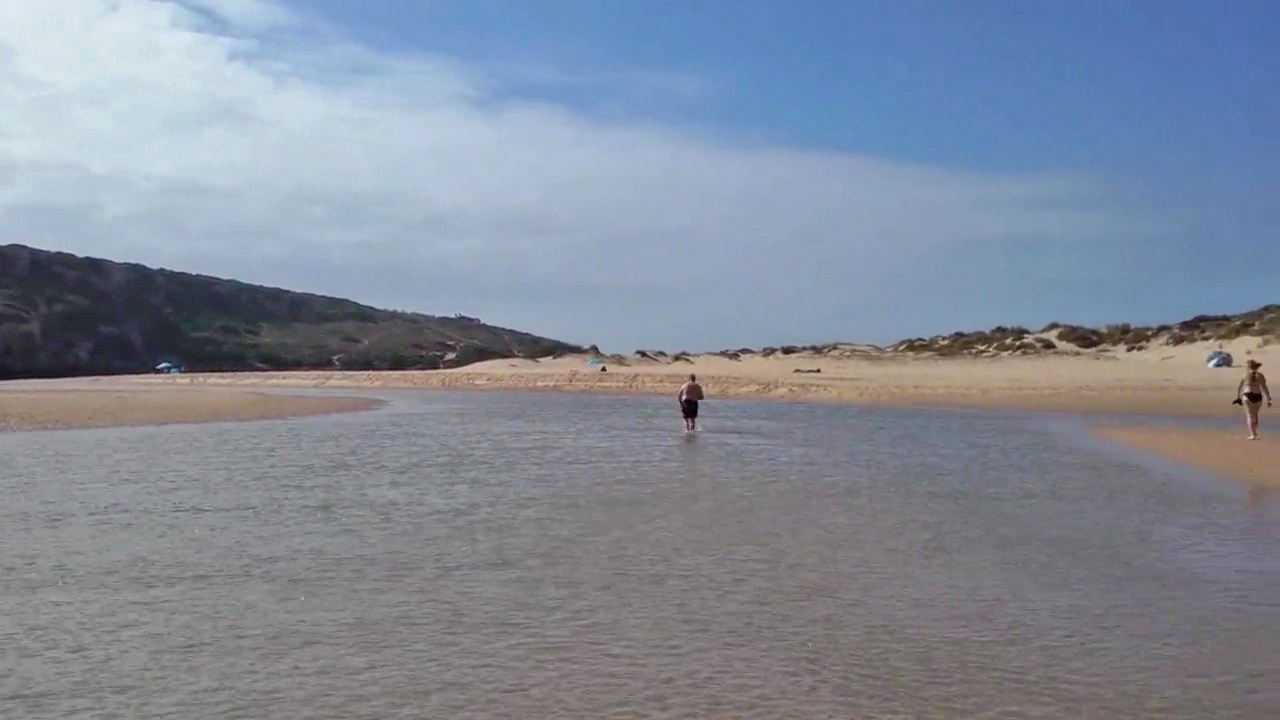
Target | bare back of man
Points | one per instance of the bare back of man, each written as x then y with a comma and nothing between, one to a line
690,395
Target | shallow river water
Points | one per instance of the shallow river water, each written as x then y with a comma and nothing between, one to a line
491,555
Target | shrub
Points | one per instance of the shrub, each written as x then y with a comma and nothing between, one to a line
1083,338
1200,321
272,359
228,328
1114,334
1137,337
1231,332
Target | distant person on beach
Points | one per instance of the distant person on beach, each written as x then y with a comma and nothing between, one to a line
1252,387
690,394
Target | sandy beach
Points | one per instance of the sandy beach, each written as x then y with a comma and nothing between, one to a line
54,405
1160,381
1167,381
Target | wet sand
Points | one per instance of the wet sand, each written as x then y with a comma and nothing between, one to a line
51,408
1225,452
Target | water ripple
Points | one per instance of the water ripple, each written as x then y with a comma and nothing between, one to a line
496,555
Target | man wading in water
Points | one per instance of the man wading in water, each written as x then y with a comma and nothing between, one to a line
690,394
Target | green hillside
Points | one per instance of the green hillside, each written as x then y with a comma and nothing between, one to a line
64,315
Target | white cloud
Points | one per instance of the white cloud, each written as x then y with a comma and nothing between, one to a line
252,15
191,135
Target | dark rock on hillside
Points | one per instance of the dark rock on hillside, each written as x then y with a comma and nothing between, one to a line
64,315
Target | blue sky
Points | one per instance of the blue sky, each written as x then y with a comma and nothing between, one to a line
1003,85
693,174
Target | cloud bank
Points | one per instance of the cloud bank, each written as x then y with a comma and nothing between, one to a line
234,137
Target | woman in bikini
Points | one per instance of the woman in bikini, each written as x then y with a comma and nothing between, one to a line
1253,386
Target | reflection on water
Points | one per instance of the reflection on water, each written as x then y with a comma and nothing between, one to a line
527,556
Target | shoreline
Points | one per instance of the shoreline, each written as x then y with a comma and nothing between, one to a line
1123,391
32,409
1225,452
981,385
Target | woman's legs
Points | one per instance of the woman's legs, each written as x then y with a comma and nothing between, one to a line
1251,415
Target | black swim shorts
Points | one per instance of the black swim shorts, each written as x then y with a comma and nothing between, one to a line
689,408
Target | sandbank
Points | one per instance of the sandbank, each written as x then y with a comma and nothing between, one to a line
50,407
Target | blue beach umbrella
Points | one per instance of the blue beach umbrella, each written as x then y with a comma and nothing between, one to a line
1219,359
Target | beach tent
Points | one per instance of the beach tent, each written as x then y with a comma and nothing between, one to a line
168,368
1219,359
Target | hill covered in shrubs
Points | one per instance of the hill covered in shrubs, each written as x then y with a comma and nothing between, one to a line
1263,323
64,315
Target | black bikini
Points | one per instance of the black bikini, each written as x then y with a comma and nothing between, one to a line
1252,380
